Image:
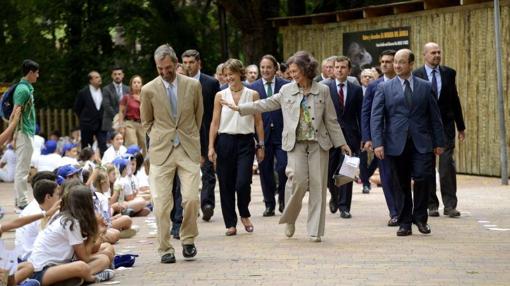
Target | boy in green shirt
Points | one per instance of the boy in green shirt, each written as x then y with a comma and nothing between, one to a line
24,97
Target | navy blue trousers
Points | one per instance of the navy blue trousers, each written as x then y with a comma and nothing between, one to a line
273,153
234,166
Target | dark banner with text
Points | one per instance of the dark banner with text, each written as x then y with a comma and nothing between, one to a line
363,48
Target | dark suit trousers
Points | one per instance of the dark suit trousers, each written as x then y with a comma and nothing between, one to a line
447,180
341,195
367,170
419,167
273,152
208,184
234,166
392,198
87,138
176,213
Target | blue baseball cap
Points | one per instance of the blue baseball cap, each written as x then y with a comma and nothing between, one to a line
67,170
120,163
67,147
132,149
49,147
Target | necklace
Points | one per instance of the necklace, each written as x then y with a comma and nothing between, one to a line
233,90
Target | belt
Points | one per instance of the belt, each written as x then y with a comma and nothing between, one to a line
135,120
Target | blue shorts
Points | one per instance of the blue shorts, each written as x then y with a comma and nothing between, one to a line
40,274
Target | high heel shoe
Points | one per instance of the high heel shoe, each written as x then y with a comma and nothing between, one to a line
247,227
231,231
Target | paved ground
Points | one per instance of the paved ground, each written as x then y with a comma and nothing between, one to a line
471,250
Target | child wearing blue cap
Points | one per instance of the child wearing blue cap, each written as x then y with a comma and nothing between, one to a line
125,189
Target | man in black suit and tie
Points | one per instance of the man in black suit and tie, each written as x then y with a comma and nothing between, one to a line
406,128
112,94
210,86
443,83
88,107
347,99
267,86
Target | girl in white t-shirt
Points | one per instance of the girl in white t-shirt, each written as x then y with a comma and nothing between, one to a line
64,249
8,260
118,222
116,150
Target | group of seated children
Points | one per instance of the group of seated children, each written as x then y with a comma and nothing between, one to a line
96,202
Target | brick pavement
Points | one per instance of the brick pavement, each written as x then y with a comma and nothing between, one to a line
359,251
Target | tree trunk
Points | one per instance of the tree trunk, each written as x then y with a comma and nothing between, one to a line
258,36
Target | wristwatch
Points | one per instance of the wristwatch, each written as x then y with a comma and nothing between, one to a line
260,145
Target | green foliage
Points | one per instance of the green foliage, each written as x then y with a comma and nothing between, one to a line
69,38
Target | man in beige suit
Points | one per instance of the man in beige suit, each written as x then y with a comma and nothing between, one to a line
171,112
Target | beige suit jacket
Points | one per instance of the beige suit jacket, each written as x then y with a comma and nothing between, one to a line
162,127
289,99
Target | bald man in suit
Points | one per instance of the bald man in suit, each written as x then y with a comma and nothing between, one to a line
171,113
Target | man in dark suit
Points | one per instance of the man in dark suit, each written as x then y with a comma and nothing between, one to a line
266,86
385,169
210,86
443,83
326,69
112,94
406,128
88,107
347,99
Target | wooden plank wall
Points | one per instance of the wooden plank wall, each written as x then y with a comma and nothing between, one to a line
466,35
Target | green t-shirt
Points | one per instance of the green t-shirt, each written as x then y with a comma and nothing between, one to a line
24,96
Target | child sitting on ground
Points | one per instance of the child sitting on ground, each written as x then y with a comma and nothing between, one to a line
119,222
115,150
125,190
24,269
71,234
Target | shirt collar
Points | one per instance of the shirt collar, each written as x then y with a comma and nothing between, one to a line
410,79
197,76
167,84
92,88
314,89
337,82
429,69
272,81
24,81
385,78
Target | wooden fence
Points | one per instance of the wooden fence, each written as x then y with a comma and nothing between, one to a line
63,120
466,35
49,120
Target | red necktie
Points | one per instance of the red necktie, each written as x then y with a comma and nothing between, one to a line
341,95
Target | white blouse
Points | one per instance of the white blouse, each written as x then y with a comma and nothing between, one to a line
231,122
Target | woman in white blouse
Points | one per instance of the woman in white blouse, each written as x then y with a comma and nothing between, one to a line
232,146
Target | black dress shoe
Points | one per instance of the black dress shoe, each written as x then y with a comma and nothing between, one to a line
393,221
168,258
433,212
333,206
268,212
451,212
402,231
423,227
345,214
207,212
366,190
189,250
281,206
